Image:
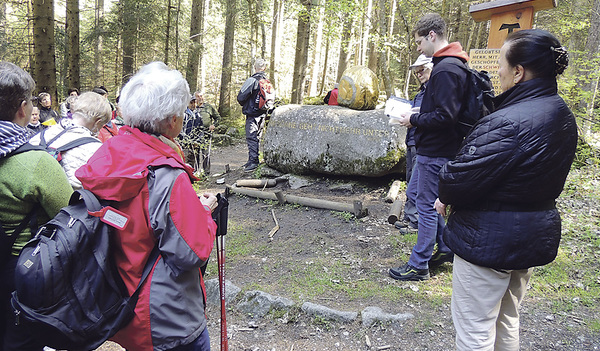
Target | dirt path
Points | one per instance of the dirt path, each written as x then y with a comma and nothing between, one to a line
326,258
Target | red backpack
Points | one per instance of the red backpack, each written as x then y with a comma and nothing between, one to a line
266,94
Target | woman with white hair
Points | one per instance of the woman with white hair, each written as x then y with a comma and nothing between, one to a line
76,136
142,170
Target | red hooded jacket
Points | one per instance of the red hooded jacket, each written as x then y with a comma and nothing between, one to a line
149,181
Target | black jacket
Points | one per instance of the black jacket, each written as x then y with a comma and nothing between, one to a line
505,179
248,95
437,134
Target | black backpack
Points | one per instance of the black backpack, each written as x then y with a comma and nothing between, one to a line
68,291
479,97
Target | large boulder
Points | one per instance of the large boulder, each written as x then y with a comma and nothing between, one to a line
304,139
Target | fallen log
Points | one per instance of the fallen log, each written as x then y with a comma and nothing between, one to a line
356,207
393,192
395,211
256,183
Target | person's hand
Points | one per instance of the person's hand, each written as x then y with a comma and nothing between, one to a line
440,207
212,127
209,200
405,119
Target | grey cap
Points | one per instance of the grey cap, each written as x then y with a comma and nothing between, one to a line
421,61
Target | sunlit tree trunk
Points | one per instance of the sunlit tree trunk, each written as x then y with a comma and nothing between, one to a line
225,96
44,73
72,47
278,6
382,62
316,54
301,57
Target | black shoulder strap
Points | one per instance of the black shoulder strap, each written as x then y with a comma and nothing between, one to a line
31,217
77,142
45,144
26,147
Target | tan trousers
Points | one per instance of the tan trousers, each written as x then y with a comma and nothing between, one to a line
485,306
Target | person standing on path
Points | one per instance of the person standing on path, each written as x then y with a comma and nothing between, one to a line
437,140
255,117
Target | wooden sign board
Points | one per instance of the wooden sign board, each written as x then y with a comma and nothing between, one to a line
507,16
487,60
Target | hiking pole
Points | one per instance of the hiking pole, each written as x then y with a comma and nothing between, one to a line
208,155
220,215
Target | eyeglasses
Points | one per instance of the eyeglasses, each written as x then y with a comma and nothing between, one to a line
420,71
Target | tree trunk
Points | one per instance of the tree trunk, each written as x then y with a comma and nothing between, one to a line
195,43
382,62
168,32
253,18
128,38
345,48
302,43
278,6
44,50
316,54
366,34
72,47
98,68
592,45
325,63
225,95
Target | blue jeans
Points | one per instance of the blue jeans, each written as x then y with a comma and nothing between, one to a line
410,209
254,128
431,223
202,343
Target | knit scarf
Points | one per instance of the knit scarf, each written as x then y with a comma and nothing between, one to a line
12,136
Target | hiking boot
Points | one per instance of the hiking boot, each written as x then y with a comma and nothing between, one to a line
408,230
440,258
408,272
401,224
250,167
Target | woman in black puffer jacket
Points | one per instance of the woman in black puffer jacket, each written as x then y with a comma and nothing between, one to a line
502,187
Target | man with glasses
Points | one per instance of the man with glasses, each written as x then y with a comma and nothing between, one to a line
437,140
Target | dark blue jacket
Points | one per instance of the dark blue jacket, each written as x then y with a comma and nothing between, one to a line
503,183
436,134
410,133
248,95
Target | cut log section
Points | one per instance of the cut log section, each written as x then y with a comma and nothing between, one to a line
356,207
393,192
395,211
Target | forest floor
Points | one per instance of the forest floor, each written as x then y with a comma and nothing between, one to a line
336,260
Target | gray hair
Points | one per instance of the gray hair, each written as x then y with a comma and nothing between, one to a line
16,86
260,65
152,96
91,106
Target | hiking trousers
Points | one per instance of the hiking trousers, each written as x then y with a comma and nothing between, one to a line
485,306
254,128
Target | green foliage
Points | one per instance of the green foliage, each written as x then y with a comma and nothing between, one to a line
586,155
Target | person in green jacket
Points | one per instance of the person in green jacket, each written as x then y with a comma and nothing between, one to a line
28,180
